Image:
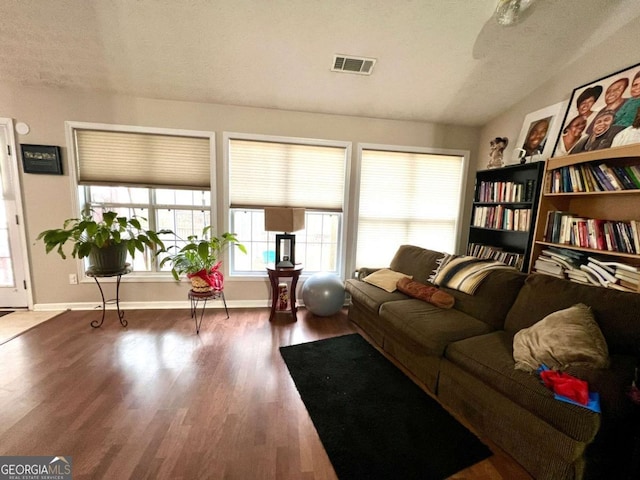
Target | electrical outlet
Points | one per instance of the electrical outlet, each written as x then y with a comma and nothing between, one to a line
73,279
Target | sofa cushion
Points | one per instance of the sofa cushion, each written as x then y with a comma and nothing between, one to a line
493,299
490,359
426,293
385,279
566,337
615,311
417,262
370,296
426,328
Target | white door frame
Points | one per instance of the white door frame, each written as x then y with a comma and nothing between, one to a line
6,125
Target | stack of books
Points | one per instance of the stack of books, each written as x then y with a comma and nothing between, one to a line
499,217
561,263
595,177
589,270
492,192
480,250
594,233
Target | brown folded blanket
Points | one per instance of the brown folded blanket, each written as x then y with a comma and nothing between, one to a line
428,293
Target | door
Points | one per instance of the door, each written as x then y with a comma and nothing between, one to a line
14,291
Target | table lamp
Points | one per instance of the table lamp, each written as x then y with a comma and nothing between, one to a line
287,220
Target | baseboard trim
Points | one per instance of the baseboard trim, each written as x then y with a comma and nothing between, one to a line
182,304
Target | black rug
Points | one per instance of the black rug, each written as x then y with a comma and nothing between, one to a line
5,312
374,422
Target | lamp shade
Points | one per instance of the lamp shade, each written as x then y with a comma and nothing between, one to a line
283,219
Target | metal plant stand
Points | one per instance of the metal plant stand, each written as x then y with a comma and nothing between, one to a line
196,297
96,275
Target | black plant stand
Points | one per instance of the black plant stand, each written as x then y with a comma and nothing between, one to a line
96,275
196,297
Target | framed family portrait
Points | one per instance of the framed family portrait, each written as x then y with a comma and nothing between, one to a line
602,114
539,131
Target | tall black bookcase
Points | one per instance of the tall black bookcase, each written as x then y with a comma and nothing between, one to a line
504,211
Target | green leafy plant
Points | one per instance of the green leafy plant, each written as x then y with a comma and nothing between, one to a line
85,233
200,252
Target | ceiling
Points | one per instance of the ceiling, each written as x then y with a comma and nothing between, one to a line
445,61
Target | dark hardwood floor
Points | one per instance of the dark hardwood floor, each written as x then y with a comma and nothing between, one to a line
157,401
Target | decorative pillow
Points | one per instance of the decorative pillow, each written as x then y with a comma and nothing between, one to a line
427,293
385,279
569,337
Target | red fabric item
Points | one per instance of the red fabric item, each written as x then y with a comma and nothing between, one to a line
566,385
214,278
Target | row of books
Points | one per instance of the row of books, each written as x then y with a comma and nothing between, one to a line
592,177
494,192
615,236
587,269
502,218
480,250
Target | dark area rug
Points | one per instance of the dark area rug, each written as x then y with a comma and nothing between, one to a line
374,422
5,312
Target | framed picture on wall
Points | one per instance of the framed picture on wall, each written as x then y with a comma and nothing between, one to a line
539,130
41,159
602,114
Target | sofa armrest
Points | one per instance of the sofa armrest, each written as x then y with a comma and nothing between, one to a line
362,272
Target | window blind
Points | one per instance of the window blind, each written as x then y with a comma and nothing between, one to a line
142,159
264,174
406,198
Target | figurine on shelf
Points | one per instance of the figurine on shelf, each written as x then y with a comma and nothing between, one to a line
498,145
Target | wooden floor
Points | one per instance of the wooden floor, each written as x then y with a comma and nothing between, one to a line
157,401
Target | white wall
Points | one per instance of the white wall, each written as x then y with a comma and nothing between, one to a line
49,199
616,53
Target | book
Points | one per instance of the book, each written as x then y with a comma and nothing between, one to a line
622,275
602,272
632,175
604,168
620,266
596,274
602,264
542,265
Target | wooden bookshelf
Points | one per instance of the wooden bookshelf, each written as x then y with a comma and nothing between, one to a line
504,212
614,206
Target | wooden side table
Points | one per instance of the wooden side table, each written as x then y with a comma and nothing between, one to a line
95,275
274,275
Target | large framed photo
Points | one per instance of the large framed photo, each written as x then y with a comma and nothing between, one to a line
539,130
602,114
41,159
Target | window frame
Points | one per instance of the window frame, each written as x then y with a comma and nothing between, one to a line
226,194
464,154
77,191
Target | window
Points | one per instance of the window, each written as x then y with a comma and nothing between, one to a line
163,176
407,197
267,171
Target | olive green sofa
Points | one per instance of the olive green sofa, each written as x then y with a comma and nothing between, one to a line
464,357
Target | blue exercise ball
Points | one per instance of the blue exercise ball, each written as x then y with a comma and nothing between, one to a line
323,294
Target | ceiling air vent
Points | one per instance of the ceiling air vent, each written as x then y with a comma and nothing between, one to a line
350,64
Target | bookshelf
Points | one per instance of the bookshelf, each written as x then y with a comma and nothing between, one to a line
504,212
580,213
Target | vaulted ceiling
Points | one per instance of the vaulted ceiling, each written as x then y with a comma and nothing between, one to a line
445,61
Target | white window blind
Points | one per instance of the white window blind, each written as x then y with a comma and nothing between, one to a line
142,159
406,198
263,174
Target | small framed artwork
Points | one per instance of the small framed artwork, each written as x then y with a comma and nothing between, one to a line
539,130
602,114
44,159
